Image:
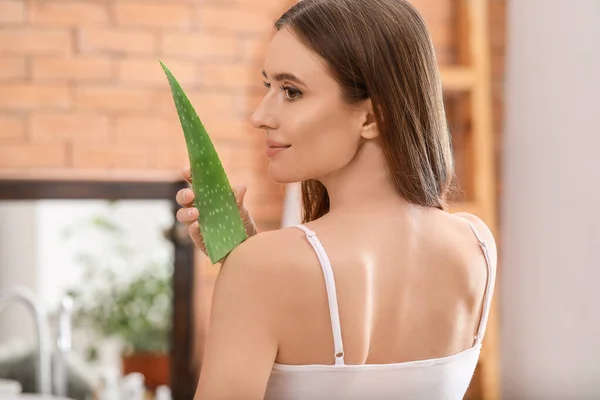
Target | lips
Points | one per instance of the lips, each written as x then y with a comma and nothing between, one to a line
276,144
274,147
273,150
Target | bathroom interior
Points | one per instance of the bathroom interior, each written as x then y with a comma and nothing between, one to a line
104,297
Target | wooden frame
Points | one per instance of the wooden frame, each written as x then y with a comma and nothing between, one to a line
183,376
473,76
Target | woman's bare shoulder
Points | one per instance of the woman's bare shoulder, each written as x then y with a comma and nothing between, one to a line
484,233
269,253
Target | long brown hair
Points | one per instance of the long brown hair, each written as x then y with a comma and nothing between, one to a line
382,50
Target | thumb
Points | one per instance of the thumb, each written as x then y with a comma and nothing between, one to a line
239,191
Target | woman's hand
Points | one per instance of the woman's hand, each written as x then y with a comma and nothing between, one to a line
189,214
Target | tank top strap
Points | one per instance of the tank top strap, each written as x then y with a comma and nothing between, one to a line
331,292
487,297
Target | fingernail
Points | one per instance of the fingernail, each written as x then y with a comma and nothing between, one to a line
184,195
189,213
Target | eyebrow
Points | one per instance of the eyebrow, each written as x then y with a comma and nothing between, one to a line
284,76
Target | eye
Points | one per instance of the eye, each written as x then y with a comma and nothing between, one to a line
267,84
291,93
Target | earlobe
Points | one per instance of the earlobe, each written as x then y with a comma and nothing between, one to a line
369,128
370,131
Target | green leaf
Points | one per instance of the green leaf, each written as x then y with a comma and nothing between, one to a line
220,221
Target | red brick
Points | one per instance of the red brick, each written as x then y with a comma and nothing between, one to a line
195,45
114,99
63,127
445,56
87,156
251,19
144,130
12,11
439,16
435,12
442,36
253,50
273,8
32,156
72,68
173,156
256,179
229,76
73,13
34,41
153,14
12,128
224,129
12,68
252,103
224,105
116,41
31,96
149,71
235,157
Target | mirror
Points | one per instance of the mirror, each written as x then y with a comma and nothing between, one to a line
115,250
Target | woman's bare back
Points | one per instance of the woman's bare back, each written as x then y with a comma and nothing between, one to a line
410,286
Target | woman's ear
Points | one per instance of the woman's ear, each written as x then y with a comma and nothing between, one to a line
369,128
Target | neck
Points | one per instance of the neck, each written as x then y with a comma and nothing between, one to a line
363,183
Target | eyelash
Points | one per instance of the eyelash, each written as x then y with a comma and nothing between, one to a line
288,89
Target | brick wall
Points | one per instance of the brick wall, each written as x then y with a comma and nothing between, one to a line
81,87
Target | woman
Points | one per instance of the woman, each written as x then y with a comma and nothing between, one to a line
381,293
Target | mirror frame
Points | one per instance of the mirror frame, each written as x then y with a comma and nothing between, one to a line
182,370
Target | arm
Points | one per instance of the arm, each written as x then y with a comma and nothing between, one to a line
242,339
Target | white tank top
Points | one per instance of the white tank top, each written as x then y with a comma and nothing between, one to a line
432,379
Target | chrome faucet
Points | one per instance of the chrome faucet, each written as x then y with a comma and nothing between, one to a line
64,345
25,295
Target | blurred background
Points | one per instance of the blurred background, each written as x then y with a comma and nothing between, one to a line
91,148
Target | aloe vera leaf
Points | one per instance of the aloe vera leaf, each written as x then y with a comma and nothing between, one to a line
220,220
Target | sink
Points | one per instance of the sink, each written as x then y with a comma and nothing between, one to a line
10,390
27,396
8,386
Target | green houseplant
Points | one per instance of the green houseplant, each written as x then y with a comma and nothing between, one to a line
137,310
124,297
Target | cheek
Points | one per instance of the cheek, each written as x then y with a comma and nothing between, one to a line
321,145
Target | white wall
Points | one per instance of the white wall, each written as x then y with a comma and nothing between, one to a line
550,254
17,267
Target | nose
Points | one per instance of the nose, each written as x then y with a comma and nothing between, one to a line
264,116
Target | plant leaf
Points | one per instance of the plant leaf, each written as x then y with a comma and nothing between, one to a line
220,220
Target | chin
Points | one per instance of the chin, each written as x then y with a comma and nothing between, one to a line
282,175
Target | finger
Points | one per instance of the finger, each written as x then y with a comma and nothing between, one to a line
249,224
187,215
185,197
186,172
196,235
239,191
